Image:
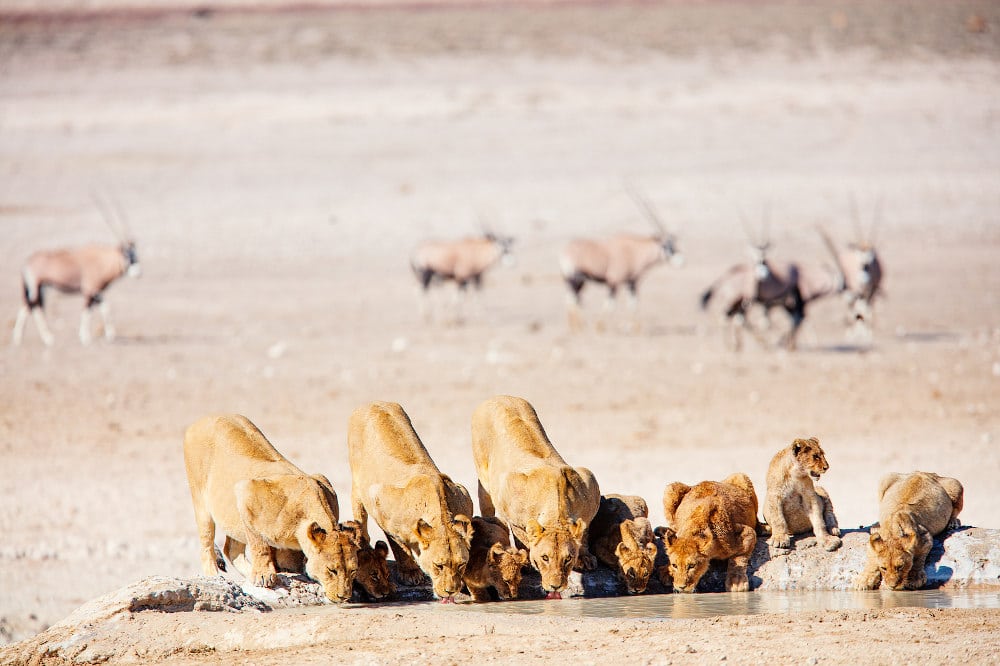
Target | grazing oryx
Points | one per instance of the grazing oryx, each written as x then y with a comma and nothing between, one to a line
87,270
761,282
462,261
616,261
860,272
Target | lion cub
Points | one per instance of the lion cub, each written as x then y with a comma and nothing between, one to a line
711,521
622,538
373,568
240,483
913,508
526,483
493,562
794,504
422,511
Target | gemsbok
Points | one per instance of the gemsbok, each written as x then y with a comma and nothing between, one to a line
462,261
859,272
762,282
617,261
88,270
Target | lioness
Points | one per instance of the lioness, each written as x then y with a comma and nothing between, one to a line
493,562
913,509
711,521
527,484
794,504
622,538
422,511
262,501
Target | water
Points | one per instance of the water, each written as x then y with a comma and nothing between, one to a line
695,606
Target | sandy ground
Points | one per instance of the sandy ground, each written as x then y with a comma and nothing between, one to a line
277,169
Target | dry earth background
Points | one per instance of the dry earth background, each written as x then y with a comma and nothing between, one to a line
277,168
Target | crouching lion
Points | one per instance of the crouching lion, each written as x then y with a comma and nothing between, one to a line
265,504
794,504
711,521
527,484
913,509
622,538
493,562
422,511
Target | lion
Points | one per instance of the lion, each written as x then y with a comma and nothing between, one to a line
493,562
711,521
622,538
794,504
266,507
422,511
527,484
373,569
913,509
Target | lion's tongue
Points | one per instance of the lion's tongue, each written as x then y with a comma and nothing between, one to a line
553,595
447,600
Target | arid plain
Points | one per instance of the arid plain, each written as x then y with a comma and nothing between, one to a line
277,168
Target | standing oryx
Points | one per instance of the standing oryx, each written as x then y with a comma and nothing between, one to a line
87,270
462,261
620,260
860,272
761,282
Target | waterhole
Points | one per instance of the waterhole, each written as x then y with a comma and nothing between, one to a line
694,606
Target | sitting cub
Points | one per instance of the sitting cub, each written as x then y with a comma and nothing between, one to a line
622,538
794,504
493,562
913,508
711,521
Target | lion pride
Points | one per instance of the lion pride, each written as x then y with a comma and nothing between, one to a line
526,483
422,511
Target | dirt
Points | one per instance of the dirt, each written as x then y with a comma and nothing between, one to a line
277,168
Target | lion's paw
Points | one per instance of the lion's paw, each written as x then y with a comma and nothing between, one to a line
835,531
264,578
954,524
863,585
832,543
780,541
738,583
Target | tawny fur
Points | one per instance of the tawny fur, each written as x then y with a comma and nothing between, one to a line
710,521
422,511
794,503
526,483
264,505
373,567
622,538
913,509
493,562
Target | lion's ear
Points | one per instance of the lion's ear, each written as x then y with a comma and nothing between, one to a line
627,537
353,531
464,528
496,552
534,530
619,549
796,446
522,556
316,534
651,550
424,533
875,536
382,549
576,529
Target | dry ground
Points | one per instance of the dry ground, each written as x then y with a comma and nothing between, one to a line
278,167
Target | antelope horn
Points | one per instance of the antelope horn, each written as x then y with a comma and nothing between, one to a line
122,217
647,208
828,242
747,231
106,215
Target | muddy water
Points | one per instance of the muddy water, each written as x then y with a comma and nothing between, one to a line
693,606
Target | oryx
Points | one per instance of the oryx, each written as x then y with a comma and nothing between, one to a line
87,270
462,261
616,261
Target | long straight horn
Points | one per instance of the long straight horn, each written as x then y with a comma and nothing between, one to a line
647,208
747,230
828,242
107,216
122,218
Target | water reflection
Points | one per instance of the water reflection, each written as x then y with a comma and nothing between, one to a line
693,606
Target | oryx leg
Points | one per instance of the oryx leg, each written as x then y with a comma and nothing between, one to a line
424,277
633,306
458,302
22,317
574,313
609,308
109,329
85,316
42,326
